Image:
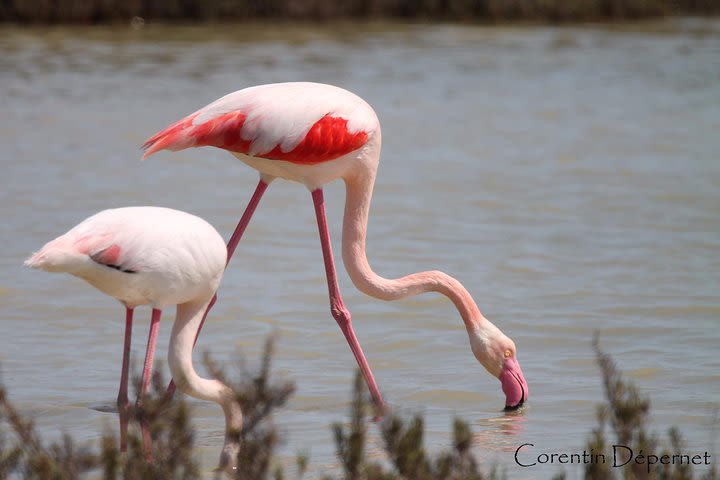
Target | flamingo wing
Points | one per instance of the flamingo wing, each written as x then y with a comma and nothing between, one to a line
304,123
105,242
69,250
110,257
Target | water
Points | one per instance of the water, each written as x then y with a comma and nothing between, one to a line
568,177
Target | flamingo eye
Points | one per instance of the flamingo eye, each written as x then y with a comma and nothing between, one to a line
508,354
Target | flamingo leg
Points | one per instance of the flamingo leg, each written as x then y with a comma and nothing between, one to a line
245,219
339,312
232,245
122,399
147,376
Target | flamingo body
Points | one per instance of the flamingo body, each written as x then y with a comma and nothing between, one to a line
300,131
140,255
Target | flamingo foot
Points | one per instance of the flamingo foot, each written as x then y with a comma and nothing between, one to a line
380,412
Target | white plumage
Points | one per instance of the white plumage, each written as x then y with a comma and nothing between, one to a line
140,255
281,114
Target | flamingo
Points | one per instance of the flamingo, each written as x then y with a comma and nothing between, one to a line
313,134
159,257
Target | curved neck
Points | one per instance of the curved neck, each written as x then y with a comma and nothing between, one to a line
357,206
187,320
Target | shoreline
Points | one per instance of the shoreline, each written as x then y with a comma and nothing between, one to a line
472,12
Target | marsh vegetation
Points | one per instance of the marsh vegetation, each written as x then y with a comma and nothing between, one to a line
623,419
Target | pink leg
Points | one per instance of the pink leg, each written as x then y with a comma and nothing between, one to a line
232,245
245,219
147,376
122,400
339,312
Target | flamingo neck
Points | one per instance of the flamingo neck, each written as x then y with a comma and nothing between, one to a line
359,189
188,318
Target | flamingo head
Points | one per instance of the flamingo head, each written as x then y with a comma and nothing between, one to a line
497,353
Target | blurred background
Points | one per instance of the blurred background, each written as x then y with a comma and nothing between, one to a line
567,175
90,11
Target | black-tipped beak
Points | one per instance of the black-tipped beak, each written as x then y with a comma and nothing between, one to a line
513,385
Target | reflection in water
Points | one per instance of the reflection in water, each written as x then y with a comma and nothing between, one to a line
499,433
567,177
103,407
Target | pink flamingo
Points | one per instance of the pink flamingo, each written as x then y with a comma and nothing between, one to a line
313,133
159,257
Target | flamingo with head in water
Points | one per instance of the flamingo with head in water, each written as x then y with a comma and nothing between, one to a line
313,134
158,257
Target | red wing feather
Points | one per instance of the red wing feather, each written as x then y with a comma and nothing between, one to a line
107,256
173,137
328,139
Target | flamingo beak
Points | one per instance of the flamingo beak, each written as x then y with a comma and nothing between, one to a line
513,384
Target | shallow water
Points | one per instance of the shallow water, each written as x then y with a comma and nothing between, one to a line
569,177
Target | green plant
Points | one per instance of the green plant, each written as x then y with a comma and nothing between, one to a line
626,412
23,454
